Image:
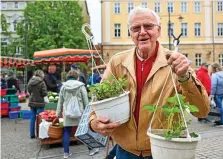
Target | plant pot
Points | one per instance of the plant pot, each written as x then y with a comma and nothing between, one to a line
117,109
176,148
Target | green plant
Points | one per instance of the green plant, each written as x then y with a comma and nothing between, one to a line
172,111
108,88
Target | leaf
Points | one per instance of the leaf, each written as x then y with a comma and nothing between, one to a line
150,108
193,134
193,108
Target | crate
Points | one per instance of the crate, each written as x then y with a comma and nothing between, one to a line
13,114
88,137
4,111
50,106
4,104
3,92
14,104
17,108
11,91
25,114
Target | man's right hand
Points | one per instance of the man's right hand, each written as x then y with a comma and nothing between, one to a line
103,126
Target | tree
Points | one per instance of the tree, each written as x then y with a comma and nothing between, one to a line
52,24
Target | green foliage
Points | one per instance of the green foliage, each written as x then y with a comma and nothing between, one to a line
108,88
52,24
172,110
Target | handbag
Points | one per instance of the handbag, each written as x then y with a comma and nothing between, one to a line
214,110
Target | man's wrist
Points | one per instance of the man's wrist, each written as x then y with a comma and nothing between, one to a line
184,78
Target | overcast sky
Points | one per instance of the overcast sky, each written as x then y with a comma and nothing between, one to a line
94,8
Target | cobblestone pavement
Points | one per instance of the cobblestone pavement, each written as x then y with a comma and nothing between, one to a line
16,144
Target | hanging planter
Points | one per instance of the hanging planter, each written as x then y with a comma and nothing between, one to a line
175,141
108,97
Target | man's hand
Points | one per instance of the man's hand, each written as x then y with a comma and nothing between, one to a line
179,63
102,126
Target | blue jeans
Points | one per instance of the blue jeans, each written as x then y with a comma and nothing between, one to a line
66,138
218,101
122,154
34,112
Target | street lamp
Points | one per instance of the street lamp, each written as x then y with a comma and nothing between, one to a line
169,27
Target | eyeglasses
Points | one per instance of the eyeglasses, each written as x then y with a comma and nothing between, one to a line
146,26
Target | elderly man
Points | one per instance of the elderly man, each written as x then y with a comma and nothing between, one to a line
145,67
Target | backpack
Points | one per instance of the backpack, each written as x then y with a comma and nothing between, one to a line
73,107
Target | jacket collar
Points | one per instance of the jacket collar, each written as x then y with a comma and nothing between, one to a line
130,62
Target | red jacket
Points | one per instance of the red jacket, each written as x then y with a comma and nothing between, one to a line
203,76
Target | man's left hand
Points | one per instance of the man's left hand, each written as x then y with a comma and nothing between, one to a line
179,64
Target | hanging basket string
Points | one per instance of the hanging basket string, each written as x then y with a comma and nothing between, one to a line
178,99
89,39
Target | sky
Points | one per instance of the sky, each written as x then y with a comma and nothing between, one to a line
94,8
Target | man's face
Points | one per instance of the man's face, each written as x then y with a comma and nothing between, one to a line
144,31
52,69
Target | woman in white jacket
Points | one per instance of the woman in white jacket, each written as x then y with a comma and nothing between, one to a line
71,87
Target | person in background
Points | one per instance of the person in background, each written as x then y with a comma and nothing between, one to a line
37,90
95,78
12,82
51,79
3,82
217,89
145,67
71,87
203,76
82,77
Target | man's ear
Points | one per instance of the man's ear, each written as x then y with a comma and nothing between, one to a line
159,31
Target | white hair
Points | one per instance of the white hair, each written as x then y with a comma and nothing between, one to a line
139,10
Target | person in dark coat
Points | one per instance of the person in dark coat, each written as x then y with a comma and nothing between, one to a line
37,90
51,79
12,82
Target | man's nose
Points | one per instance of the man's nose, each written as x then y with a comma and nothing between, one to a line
142,29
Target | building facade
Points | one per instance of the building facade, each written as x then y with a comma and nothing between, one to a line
199,21
13,11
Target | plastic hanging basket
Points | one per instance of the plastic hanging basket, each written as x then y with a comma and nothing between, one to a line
175,148
108,107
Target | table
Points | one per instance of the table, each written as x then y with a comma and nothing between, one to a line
51,140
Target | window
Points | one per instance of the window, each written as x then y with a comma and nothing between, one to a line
170,7
220,6
220,29
14,25
16,5
220,59
171,30
184,29
25,4
128,33
183,7
197,7
157,7
117,8
185,55
3,5
197,29
198,60
117,30
130,7
144,4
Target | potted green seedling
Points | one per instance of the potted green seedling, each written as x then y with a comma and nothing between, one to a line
174,141
110,96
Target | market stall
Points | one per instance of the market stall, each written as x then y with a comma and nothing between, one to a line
65,55
6,61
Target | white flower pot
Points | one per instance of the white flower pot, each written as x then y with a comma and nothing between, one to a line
117,109
176,148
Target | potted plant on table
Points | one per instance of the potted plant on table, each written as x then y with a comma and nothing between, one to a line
110,96
174,142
